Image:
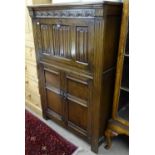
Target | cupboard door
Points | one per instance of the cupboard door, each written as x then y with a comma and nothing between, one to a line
66,40
78,103
54,102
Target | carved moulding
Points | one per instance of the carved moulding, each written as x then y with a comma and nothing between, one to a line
65,13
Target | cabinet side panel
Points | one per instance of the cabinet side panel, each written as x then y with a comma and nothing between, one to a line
97,82
40,67
112,30
106,99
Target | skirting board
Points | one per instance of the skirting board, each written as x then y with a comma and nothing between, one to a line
34,108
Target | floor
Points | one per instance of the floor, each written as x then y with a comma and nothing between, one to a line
119,145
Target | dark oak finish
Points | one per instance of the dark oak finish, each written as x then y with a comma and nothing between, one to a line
119,123
76,48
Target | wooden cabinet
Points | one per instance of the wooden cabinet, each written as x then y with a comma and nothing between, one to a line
76,49
119,123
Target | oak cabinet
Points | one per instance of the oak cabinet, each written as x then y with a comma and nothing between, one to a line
76,50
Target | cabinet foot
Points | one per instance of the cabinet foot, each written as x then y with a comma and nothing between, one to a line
94,149
45,116
94,145
109,134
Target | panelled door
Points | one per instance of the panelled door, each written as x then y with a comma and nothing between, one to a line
68,99
78,103
67,41
53,93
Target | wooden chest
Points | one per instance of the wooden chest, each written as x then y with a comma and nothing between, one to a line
76,49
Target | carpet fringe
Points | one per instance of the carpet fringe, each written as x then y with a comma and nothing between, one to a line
77,150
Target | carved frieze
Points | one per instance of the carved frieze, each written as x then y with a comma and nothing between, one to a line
65,13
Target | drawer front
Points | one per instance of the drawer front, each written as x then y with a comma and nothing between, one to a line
33,98
78,97
31,85
66,40
31,70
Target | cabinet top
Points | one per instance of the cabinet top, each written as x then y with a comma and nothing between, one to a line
76,10
82,4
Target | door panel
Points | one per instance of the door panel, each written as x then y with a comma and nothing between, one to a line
82,44
52,78
77,114
77,87
45,31
66,40
54,102
54,96
61,40
78,97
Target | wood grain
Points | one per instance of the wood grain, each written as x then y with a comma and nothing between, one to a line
76,78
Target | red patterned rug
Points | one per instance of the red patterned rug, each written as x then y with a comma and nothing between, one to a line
42,140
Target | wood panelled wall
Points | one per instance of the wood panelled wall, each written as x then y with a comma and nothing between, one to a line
32,96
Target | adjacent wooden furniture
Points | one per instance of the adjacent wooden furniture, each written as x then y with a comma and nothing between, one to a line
76,49
119,124
32,95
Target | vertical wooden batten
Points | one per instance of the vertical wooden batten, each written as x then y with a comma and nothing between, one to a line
32,95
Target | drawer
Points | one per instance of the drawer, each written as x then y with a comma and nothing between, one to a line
31,70
30,54
31,85
32,97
